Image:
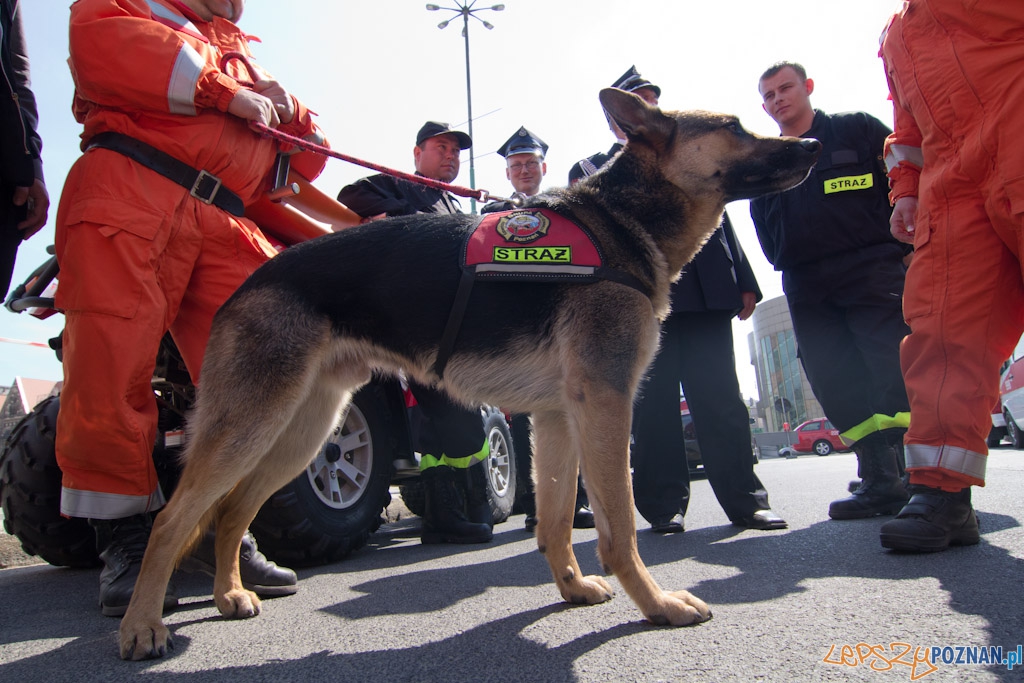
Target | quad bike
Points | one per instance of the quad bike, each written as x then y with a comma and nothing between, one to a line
321,516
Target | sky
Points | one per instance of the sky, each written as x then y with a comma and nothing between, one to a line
376,70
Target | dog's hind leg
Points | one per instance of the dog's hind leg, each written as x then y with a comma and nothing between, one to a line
555,469
284,461
601,425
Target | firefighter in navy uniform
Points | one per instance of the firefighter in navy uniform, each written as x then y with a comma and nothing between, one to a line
450,438
524,154
697,351
633,82
843,276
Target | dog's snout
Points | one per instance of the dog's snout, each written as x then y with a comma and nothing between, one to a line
811,145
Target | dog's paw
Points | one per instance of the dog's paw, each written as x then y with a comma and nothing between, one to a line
679,608
238,604
145,641
586,590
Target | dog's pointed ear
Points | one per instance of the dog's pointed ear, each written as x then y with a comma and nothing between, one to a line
637,119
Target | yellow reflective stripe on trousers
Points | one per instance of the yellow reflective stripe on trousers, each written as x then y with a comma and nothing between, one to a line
950,458
428,461
876,423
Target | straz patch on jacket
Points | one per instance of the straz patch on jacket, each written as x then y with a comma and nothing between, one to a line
531,244
850,182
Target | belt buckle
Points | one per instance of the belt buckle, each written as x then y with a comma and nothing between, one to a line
197,188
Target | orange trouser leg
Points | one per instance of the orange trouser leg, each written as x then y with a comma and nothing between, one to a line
121,290
114,290
233,249
964,302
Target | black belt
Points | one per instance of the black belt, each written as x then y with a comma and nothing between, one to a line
204,186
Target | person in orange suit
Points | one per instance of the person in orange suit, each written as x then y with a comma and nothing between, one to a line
956,170
151,238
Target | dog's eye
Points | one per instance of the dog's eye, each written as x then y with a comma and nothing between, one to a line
735,129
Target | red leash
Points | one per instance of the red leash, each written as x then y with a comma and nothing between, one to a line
481,196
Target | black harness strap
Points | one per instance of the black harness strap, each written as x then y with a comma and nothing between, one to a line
451,330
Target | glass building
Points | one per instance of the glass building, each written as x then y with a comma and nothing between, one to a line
786,396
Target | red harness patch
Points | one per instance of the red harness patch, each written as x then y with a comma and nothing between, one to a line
531,244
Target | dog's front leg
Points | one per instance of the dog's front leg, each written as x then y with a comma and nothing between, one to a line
603,421
555,470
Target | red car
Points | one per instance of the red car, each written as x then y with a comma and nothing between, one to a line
818,436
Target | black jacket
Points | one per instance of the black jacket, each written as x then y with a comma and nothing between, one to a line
393,196
841,211
716,276
20,145
590,165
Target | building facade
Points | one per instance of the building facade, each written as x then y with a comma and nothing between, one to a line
786,396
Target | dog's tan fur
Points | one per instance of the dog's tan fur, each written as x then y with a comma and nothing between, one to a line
277,375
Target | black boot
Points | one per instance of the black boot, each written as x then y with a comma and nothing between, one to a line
881,491
932,521
258,574
121,544
444,516
478,505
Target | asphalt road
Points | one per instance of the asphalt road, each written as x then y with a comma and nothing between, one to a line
785,605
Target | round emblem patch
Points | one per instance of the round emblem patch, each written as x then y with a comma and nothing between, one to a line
523,227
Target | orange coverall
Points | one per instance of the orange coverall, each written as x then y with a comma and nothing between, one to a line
954,72
138,254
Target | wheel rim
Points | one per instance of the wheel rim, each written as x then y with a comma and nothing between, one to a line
823,449
342,468
498,468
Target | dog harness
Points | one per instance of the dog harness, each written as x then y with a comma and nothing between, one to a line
526,245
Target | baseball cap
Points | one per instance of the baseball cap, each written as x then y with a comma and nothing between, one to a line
432,129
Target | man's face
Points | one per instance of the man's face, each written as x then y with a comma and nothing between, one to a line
786,97
647,95
438,158
526,171
208,9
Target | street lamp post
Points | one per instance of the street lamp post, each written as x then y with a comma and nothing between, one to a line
467,10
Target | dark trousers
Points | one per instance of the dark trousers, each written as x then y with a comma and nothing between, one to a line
445,429
10,236
521,431
848,329
697,350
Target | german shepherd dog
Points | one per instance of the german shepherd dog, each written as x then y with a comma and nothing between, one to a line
305,331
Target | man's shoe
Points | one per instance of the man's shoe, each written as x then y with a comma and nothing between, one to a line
764,520
530,523
932,521
669,525
583,519
121,544
258,574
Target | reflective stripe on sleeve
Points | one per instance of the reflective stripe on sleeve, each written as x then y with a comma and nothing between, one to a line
181,91
898,153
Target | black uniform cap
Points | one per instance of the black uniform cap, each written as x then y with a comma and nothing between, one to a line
632,80
522,142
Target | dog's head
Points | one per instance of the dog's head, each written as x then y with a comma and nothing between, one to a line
704,152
